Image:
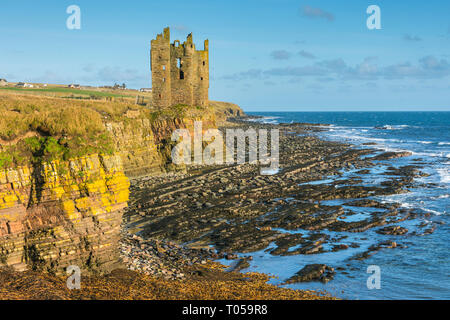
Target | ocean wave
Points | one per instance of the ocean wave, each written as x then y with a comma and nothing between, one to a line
390,149
444,174
387,144
347,134
428,154
266,120
444,143
432,211
412,200
392,127
409,205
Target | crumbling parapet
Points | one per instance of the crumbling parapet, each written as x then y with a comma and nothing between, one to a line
180,73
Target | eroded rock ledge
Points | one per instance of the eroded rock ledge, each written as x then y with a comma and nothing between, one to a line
61,213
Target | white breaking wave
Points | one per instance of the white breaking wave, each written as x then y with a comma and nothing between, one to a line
444,174
404,202
267,120
393,127
432,211
428,154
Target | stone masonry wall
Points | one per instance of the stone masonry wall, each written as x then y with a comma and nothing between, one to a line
180,73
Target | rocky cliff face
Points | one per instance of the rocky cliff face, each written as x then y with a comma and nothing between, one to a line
62,213
145,146
224,110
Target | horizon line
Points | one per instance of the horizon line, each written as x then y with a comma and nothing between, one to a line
347,110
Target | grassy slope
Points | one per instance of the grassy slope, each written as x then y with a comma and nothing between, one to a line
66,91
36,127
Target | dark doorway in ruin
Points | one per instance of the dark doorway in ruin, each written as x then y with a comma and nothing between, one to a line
179,65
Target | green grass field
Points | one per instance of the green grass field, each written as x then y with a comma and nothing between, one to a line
68,90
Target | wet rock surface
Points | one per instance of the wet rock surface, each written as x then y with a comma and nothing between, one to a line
321,188
393,230
313,272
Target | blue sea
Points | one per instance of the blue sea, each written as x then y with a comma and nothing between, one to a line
422,269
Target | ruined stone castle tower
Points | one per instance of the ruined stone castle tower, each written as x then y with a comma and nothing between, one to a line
180,73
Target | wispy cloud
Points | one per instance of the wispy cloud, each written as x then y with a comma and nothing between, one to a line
312,12
368,70
440,67
336,65
280,55
117,74
88,68
180,28
249,74
296,71
409,37
7,76
306,54
50,76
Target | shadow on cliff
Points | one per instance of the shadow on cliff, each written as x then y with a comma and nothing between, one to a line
37,175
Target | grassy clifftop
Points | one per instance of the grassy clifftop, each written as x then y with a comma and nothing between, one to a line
224,110
43,128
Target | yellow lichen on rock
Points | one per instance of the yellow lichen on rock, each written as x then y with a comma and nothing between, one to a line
62,211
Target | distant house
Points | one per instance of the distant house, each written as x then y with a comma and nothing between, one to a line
77,86
3,82
116,86
145,90
24,85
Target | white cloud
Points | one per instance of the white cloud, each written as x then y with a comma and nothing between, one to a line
312,12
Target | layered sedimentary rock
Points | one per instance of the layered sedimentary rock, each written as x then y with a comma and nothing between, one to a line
145,146
62,213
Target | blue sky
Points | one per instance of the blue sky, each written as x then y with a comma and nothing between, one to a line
265,55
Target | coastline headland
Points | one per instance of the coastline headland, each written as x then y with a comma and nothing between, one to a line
66,168
134,209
